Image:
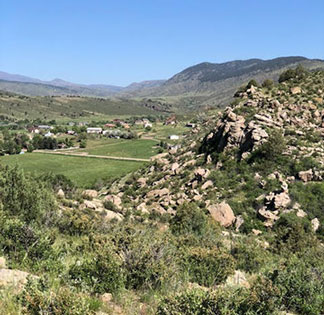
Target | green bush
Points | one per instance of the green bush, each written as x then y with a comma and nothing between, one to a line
300,286
24,244
250,256
209,267
189,218
293,234
149,260
99,274
38,298
24,196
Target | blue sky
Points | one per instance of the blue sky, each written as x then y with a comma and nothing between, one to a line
122,41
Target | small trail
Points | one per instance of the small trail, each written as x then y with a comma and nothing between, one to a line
120,158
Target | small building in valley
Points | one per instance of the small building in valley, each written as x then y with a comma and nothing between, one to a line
174,137
94,130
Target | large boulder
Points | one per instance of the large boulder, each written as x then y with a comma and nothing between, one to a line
315,224
14,278
306,176
207,184
117,202
60,193
111,215
158,192
295,90
222,213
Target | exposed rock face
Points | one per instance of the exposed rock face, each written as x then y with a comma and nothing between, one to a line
222,213
238,222
142,182
270,217
232,131
201,173
111,215
90,193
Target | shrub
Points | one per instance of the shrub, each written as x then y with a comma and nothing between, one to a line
267,83
209,267
189,219
250,256
38,298
77,222
150,260
100,274
252,83
293,233
22,243
300,286
24,196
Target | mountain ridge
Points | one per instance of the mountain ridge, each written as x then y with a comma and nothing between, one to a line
203,84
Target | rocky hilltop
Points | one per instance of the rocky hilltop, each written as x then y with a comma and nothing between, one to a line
272,135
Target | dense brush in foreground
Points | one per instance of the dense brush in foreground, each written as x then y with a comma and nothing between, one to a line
231,223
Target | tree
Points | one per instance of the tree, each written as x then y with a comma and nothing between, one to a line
252,82
267,83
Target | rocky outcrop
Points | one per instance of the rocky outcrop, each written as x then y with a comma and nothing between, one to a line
232,131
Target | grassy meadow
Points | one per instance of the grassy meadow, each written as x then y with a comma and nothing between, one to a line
83,171
139,148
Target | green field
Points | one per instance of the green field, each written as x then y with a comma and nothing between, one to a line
83,171
139,148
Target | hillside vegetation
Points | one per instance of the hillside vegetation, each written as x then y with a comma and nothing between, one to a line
19,107
231,222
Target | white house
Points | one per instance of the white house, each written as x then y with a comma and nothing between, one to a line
174,137
45,127
48,134
148,124
94,130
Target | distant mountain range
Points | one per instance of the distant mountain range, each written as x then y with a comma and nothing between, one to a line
30,86
202,84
